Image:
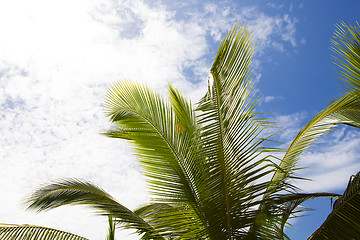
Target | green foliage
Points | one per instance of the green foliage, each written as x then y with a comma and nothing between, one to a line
20,232
343,222
112,228
209,167
75,192
346,46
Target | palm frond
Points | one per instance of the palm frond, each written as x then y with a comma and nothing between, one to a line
150,123
345,110
77,192
230,133
275,211
346,46
20,232
343,222
165,138
112,228
172,221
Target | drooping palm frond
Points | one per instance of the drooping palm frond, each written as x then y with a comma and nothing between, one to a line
29,232
276,210
345,110
346,44
344,221
164,136
75,192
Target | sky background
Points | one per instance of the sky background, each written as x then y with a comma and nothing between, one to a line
57,58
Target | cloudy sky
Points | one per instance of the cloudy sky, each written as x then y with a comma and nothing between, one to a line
57,59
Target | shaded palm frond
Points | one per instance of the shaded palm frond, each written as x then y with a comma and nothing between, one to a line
75,192
20,232
112,228
275,211
346,46
343,222
172,221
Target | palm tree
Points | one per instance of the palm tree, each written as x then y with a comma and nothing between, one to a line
210,167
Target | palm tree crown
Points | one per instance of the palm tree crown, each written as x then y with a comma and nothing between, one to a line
210,166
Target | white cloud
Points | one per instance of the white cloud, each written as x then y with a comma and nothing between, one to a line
272,5
303,40
289,34
290,125
57,59
278,46
269,99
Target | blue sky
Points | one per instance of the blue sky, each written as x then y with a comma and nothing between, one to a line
58,58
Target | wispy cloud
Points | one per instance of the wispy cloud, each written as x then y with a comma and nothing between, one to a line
275,6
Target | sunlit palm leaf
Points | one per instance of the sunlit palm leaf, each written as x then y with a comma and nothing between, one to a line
346,44
344,221
149,121
231,135
345,110
29,232
74,192
164,136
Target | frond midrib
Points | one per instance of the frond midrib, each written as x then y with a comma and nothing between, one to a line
223,167
304,131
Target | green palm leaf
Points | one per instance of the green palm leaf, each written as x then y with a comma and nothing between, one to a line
232,144
213,160
20,232
343,222
75,192
149,122
112,228
172,221
164,136
346,44
345,110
